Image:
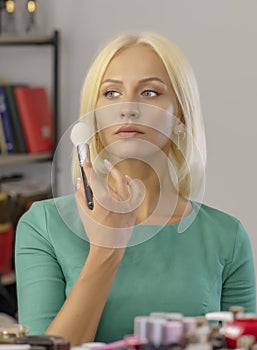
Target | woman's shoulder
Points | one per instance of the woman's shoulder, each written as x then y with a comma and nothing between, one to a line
219,222
52,218
54,212
51,205
213,214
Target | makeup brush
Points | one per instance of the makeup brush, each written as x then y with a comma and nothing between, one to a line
80,136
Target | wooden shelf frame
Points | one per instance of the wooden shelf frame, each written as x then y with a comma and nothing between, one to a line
6,40
25,158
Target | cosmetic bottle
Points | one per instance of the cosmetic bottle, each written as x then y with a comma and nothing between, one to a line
14,347
244,324
245,342
140,328
173,316
217,335
202,330
199,335
154,333
46,341
216,338
204,333
172,337
169,316
199,346
9,333
236,310
190,336
189,324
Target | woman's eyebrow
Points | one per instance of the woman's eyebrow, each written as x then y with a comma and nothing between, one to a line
152,79
145,80
111,81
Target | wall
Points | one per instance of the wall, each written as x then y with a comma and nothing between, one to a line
219,38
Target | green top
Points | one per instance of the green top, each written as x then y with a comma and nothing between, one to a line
208,267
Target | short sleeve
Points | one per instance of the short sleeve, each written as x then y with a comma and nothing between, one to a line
238,275
40,281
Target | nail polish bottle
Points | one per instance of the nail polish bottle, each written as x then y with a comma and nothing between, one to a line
172,338
140,328
154,333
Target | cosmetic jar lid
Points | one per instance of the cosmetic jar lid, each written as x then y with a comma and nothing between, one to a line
8,334
15,347
92,345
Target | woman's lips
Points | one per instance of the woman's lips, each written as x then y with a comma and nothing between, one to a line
126,132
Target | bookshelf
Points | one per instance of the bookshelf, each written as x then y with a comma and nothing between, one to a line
52,41
22,160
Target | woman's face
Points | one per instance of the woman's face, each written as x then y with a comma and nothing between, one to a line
136,106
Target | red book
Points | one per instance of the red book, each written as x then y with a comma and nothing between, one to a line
36,118
6,248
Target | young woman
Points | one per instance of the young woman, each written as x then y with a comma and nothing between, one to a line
146,245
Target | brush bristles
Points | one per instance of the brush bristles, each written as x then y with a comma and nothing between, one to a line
81,133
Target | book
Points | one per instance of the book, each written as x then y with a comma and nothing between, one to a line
18,134
6,247
21,194
3,146
36,118
6,235
4,207
6,123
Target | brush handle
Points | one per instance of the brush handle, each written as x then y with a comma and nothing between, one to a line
88,190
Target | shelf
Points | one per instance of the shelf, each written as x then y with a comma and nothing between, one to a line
27,40
24,158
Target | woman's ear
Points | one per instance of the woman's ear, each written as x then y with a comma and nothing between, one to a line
180,127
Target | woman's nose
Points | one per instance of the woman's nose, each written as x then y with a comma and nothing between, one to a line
129,110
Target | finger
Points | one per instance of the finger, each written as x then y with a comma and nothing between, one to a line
121,181
137,192
80,193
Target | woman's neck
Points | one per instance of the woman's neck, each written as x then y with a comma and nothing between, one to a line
162,203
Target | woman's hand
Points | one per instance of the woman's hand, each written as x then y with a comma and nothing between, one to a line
111,221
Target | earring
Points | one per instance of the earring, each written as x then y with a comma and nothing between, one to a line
179,135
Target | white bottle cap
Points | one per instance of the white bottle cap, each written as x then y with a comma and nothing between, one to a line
225,316
15,347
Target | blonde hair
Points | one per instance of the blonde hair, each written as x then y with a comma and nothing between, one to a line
190,164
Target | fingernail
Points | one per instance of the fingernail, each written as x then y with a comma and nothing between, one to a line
87,159
78,183
108,164
128,178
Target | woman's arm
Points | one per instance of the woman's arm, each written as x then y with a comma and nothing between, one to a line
79,316
108,231
76,317
40,280
238,276
41,283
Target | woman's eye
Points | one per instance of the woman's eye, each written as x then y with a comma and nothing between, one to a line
150,93
112,94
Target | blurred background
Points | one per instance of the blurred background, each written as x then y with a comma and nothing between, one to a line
219,39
